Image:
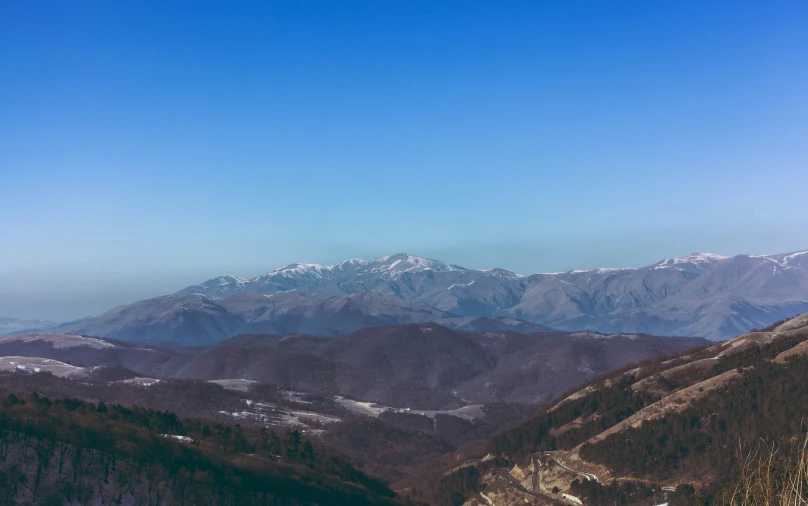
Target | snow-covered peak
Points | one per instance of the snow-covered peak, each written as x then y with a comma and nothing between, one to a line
229,278
315,270
500,273
300,270
299,267
697,259
404,262
600,270
220,287
351,262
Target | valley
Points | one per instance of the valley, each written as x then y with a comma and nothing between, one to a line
540,417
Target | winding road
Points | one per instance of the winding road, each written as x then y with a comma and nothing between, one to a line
588,476
504,474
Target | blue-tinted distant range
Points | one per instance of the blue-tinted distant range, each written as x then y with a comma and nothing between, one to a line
701,295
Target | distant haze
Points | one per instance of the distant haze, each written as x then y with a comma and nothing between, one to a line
145,147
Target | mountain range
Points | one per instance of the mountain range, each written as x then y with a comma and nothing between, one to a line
700,295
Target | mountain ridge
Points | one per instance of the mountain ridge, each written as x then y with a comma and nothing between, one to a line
667,426
422,365
195,320
698,295
701,294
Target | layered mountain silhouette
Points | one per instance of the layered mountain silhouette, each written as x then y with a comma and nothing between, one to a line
193,320
701,295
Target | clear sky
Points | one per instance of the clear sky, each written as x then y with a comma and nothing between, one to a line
146,146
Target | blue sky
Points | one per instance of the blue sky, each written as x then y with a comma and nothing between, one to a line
145,146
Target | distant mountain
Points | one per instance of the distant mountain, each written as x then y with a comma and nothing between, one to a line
177,320
194,320
702,294
12,325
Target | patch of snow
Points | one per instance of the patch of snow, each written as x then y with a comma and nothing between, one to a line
464,285
572,498
184,439
788,258
791,260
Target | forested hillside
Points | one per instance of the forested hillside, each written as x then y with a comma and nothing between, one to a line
677,429
66,451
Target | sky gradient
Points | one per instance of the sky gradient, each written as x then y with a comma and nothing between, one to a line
147,146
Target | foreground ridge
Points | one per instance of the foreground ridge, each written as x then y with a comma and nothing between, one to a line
665,428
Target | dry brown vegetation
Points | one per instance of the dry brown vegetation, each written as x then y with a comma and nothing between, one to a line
769,479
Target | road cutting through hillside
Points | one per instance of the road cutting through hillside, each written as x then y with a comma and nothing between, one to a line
588,476
502,472
536,464
487,499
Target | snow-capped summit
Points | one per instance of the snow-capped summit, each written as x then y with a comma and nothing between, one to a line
500,273
701,294
697,259
403,262
229,278
299,269
221,287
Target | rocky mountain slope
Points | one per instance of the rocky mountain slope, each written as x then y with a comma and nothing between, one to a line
666,429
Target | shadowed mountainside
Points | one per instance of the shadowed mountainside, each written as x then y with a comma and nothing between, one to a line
426,365
191,320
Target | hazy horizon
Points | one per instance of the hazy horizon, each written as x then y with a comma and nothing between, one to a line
145,148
